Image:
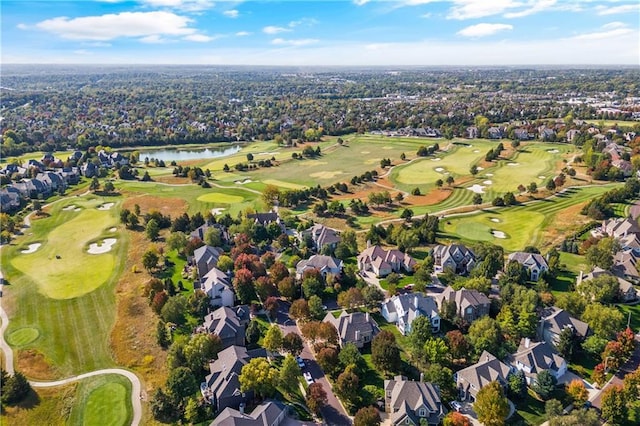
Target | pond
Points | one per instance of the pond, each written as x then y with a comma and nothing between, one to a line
177,154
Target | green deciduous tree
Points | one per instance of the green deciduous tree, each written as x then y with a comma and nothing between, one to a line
367,416
289,373
181,383
200,349
614,405
604,321
273,339
385,353
484,335
544,385
259,376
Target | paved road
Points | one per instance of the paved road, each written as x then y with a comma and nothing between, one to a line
630,366
333,413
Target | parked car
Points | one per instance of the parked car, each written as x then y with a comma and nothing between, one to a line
455,405
308,378
300,362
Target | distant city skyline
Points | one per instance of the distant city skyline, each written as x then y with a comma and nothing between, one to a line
317,33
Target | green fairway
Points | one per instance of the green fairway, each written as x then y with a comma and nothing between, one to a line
286,185
522,225
68,318
456,161
217,197
23,336
103,401
70,270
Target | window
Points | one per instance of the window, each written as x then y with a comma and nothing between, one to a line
423,412
406,421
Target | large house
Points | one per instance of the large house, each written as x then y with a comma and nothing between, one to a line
470,304
205,258
265,219
626,291
383,262
229,324
270,413
221,387
617,228
403,309
456,257
216,285
327,265
488,369
321,236
554,320
534,357
358,328
534,263
201,231
625,265
409,402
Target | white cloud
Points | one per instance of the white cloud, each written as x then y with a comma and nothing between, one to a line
183,5
97,44
82,52
471,9
231,13
272,29
199,38
537,6
125,24
294,42
243,33
614,25
615,10
360,2
483,30
303,21
602,35
152,39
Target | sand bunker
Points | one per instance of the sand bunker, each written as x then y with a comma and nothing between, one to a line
513,164
498,234
439,169
106,206
217,211
495,220
387,147
489,175
32,248
476,151
480,168
553,151
478,189
242,182
487,182
540,177
77,209
113,229
365,152
69,208
104,247
436,159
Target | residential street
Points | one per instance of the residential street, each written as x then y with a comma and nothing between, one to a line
333,413
629,367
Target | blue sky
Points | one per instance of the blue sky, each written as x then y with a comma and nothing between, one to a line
359,32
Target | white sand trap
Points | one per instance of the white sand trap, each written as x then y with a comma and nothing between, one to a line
68,208
553,151
513,164
242,182
365,152
106,206
469,146
95,248
32,248
387,147
495,220
498,234
113,229
217,211
480,168
489,174
540,177
476,151
487,182
77,209
478,189
436,159
439,169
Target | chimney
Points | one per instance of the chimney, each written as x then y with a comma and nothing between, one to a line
415,301
527,342
368,243
366,317
241,408
422,377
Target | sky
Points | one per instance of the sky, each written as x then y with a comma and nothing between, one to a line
344,33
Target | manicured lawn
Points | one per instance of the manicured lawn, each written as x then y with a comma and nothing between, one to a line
103,400
220,198
70,270
65,308
635,315
404,281
522,225
530,409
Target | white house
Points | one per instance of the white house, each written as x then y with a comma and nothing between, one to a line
534,357
534,263
403,309
216,285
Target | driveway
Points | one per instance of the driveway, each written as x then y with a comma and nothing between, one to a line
333,413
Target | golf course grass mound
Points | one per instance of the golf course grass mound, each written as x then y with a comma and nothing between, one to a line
220,198
62,268
23,336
